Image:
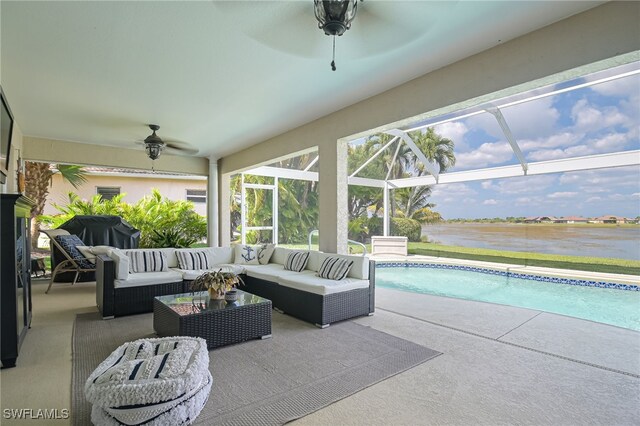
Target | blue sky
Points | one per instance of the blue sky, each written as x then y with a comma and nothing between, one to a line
594,120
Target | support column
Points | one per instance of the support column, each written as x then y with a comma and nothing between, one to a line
333,193
213,214
224,213
386,208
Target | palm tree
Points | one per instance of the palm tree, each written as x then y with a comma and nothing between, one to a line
38,178
361,198
411,202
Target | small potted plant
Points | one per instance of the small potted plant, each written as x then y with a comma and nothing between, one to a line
217,283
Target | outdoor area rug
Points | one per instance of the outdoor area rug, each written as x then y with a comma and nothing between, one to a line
299,370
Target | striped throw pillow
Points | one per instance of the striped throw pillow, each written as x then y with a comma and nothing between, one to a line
335,268
147,261
296,261
193,260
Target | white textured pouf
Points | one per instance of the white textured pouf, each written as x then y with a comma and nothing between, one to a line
162,381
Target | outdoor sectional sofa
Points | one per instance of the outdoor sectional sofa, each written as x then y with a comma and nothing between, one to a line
303,294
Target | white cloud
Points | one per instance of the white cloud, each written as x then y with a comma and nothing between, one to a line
455,130
558,140
526,184
593,189
526,120
452,191
595,181
488,154
490,202
488,184
625,197
529,201
611,142
619,197
588,118
619,87
593,199
562,195
532,119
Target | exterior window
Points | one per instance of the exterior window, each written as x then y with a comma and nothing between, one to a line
197,195
108,192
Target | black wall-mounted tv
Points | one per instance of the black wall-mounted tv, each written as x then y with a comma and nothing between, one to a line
6,129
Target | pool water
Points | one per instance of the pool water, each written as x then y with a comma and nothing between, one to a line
609,306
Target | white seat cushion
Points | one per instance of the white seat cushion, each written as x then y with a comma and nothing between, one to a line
192,274
231,267
121,261
313,284
270,272
149,278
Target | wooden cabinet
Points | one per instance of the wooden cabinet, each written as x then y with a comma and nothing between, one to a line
15,274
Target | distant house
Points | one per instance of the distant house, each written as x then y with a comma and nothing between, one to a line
572,219
612,219
110,182
533,219
540,219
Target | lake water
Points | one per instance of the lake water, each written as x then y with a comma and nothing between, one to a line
621,242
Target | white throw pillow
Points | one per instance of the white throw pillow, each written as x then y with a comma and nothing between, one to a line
335,268
91,252
246,255
265,251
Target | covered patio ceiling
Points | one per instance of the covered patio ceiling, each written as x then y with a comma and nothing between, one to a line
222,76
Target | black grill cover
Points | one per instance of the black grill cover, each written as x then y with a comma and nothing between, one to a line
111,231
100,230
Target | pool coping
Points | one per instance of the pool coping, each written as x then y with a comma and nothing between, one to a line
552,275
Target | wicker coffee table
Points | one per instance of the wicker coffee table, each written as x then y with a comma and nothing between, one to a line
218,322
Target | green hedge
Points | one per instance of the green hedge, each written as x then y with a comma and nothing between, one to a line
362,228
404,227
595,264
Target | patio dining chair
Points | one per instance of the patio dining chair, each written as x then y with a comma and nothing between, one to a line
74,260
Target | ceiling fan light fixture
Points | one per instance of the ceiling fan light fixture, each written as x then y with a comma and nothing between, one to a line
334,18
154,150
153,145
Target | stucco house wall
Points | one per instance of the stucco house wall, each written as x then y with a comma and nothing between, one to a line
135,188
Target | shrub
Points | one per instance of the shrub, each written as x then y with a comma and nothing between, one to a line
362,228
376,226
405,227
176,222
358,229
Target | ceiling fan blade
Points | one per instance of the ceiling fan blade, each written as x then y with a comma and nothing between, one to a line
286,26
177,150
180,146
383,26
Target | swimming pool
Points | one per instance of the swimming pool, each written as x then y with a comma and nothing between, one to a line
617,305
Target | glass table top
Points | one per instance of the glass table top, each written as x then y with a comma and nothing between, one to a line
199,302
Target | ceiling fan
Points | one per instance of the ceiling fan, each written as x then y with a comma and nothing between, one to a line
154,145
367,28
